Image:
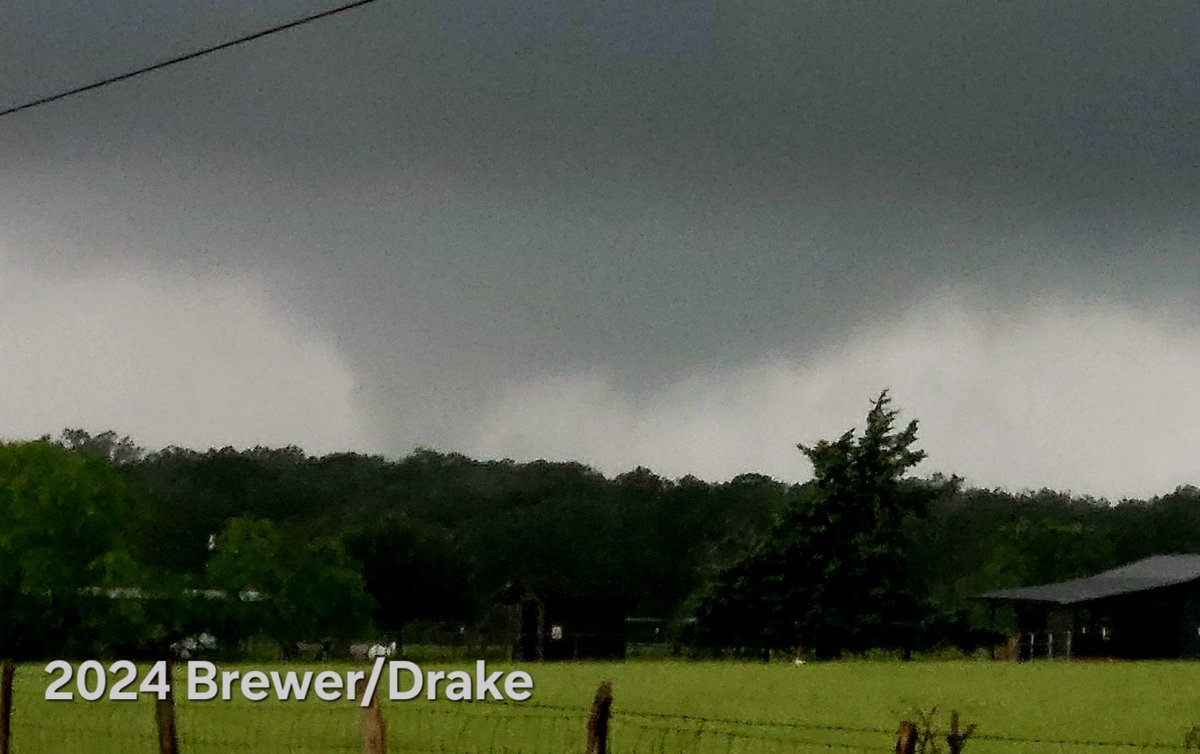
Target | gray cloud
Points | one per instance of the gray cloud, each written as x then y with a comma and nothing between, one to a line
469,203
192,361
1074,395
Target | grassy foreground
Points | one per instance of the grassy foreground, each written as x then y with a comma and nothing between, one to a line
731,708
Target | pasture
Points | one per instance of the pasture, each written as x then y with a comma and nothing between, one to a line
660,706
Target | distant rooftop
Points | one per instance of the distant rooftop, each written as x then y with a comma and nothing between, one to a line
1154,572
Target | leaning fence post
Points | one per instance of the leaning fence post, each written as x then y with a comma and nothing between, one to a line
373,728
164,716
6,684
906,737
597,727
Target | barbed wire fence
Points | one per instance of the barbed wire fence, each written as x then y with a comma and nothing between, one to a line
29,725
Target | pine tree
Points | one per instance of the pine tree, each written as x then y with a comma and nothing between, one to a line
831,575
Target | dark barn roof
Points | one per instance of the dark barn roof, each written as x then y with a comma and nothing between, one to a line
1151,573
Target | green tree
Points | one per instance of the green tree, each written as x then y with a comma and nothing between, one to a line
324,594
1031,551
831,575
62,515
118,450
69,528
249,557
411,574
285,588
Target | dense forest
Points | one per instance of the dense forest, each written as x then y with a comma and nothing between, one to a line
351,545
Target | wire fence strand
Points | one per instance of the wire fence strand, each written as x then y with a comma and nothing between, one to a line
491,727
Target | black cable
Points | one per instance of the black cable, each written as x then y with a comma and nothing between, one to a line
188,56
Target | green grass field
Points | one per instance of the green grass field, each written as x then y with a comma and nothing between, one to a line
725,708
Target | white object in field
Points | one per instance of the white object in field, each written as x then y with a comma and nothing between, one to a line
381,650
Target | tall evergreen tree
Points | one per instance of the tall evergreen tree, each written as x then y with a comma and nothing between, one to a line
831,574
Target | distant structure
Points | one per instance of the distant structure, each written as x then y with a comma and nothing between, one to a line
1147,609
553,624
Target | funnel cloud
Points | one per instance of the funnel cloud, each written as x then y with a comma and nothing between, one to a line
676,235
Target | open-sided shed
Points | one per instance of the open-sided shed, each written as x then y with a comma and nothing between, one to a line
1149,608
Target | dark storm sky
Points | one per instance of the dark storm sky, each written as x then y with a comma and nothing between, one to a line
685,235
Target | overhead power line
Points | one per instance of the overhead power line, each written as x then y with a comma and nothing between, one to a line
183,58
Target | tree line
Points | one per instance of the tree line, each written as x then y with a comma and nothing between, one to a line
106,548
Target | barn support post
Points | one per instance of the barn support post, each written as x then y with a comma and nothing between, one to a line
374,730
164,715
514,632
1049,645
597,727
992,628
541,630
6,692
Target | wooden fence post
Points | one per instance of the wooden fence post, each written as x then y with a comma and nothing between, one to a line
956,740
6,691
164,716
597,727
374,729
906,738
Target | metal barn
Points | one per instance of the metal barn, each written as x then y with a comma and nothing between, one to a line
1146,609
